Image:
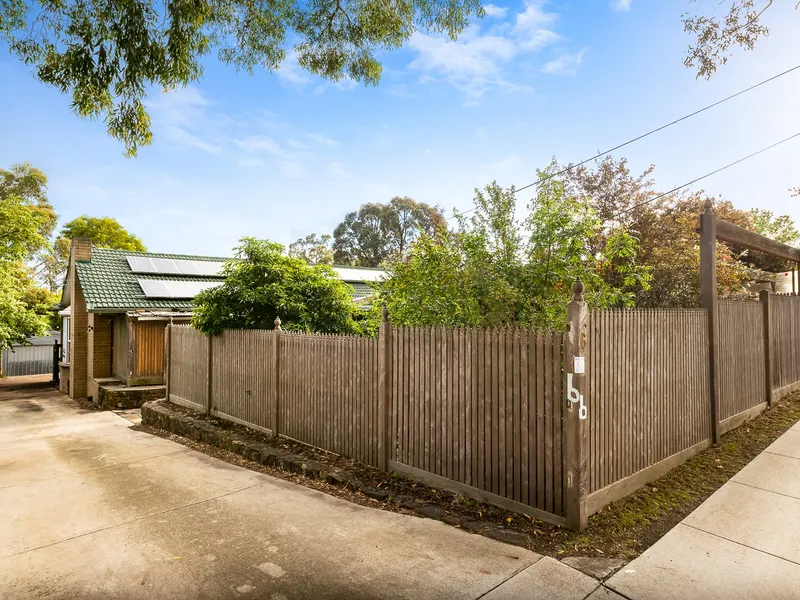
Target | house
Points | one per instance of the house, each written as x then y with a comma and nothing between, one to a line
116,305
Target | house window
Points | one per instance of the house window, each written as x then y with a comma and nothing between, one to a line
65,332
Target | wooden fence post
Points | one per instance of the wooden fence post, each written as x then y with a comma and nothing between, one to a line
276,365
210,375
384,390
167,357
766,303
575,423
708,300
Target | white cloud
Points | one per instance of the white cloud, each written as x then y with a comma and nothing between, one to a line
296,144
505,164
260,143
291,72
621,5
322,139
529,29
183,117
180,136
346,84
495,11
251,162
566,64
478,61
337,169
398,89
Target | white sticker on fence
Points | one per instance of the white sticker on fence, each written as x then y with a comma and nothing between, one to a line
579,365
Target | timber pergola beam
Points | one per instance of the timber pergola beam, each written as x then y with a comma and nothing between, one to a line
733,234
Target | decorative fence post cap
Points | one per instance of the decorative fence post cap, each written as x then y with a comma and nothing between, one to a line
708,205
277,322
577,289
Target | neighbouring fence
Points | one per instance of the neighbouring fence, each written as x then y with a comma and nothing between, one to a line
487,412
36,359
648,393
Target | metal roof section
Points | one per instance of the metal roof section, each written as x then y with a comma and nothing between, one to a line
174,266
171,288
360,274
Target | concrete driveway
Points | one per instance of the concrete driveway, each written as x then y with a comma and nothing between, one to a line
91,509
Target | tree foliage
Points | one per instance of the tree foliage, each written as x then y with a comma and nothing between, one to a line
107,53
495,269
314,249
105,232
742,27
375,232
263,283
666,231
26,221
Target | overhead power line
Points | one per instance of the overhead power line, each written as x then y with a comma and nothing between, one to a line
651,132
714,172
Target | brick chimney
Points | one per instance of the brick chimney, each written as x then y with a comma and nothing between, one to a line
81,249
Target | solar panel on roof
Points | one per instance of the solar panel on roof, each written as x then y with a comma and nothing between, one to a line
174,266
155,288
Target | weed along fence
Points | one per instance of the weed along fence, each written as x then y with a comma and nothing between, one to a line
554,425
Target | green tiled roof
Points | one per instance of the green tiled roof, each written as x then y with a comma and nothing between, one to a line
109,284
361,290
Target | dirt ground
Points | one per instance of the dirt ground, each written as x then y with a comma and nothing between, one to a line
622,530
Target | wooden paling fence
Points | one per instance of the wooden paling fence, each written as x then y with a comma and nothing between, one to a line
548,424
785,333
741,358
481,408
329,393
649,394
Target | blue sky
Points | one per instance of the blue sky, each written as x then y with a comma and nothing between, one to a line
282,155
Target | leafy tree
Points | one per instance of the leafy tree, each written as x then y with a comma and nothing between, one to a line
105,232
496,270
262,283
23,224
107,54
378,231
742,27
314,249
666,231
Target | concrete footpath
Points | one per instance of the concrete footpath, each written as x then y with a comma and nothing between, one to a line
743,542
91,509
